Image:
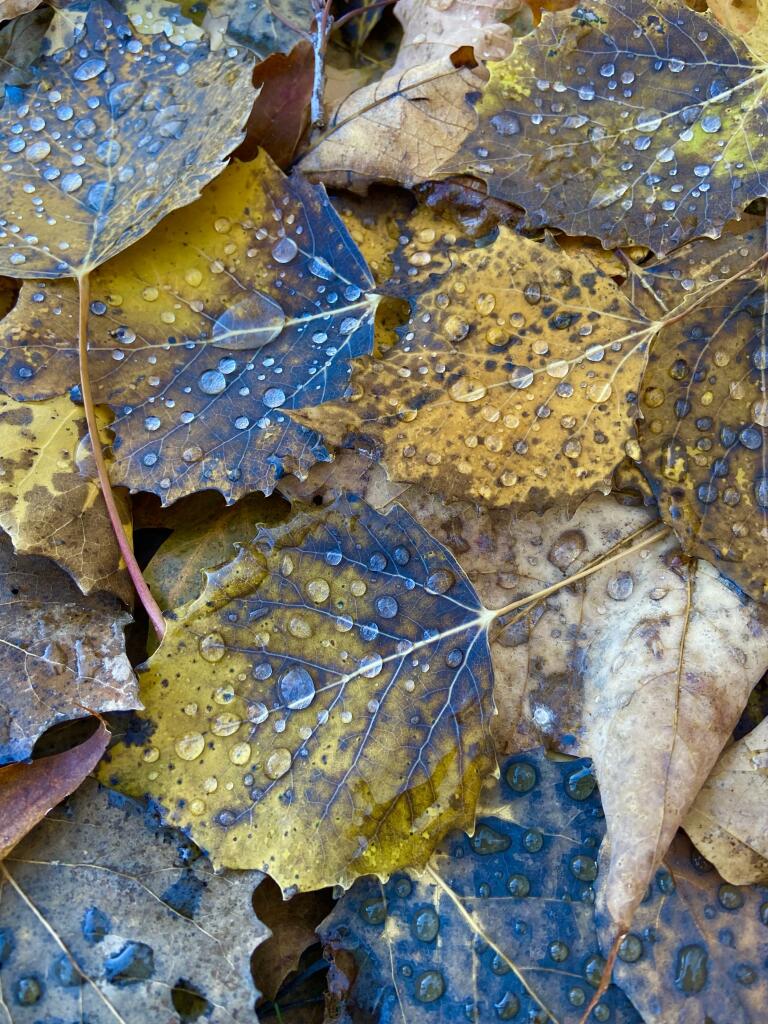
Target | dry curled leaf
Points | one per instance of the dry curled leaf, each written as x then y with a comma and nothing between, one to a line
46,505
729,820
324,703
61,654
105,917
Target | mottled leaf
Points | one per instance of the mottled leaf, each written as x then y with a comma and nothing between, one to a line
106,917
518,370
46,505
61,654
264,28
703,437
207,333
110,137
321,710
435,28
500,926
729,820
21,42
699,949
635,122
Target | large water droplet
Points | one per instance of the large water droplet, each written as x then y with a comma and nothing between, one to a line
296,688
278,763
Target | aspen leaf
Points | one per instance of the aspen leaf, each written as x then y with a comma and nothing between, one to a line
61,654
109,138
104,916
264,28
324,704
637,123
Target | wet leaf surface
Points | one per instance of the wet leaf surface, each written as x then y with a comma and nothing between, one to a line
110,137
61,654
322,710
702,946
639,122
263,28
518,369
208,333
106,916
728,820
703,437
46,506
500,927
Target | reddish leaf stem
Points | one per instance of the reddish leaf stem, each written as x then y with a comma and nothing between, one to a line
102,472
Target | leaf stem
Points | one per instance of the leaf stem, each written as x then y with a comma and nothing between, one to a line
322,30
102,472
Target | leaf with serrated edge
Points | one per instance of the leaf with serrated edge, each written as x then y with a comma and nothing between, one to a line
61,654
115,919
46,505
115,133
729,820
635,122
499,927
518,370
326,702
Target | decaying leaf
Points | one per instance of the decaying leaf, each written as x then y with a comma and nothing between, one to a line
635,122
699,947
61,654
29,791
499,927
518,370
21,41
207,333
264,28
729,820
111,136
107,917
433,29
322,709
703,437
46,506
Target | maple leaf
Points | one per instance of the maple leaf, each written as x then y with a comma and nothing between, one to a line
518,367
638,122
106,916
699,948
208,333
727,821
499,926
61,653
46,506
29,791
142,129
703,435
348,724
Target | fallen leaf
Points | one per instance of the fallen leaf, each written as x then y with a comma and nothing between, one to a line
21,42
29,791
636,123
433,29
738,16
400,129
699,948
46,506
260,262
703,401
324,703
106,917
149,123
62,655
500,925
273,27
728,820
518,368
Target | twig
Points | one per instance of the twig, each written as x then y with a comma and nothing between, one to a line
126,550
320,34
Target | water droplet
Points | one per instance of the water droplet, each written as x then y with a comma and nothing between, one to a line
566,549
506,124
274,397
426,924
620,587
278,763
487,840
387,607
89,69
440,581
318,591
212,382
284,250
691,970
240,753
373,910
521,776
296,688
429,986
71,182
518,885
631,949
190,746
212,647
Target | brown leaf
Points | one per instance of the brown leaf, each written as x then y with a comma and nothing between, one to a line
729,820
29,791
433,29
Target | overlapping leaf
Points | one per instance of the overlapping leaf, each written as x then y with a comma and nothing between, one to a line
699,947
264,28
513,382
113,135
500,927
703,437
61,654
46,505
208,333
322,709
104,917
635,122
729,820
